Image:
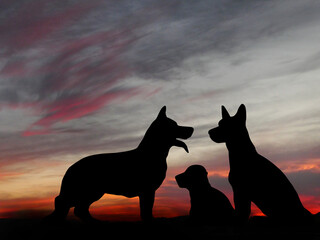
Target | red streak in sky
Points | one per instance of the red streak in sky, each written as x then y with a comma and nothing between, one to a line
67,110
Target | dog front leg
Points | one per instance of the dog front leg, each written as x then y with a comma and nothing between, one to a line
146,200
242,207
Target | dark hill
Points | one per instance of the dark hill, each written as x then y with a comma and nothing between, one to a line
161,228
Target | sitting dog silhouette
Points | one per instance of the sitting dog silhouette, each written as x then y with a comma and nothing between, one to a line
138,172
254,178
208,205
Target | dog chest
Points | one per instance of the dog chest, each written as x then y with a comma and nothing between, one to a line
239,178
156,174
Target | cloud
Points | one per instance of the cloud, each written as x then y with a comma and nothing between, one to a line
73,79
74,108
22,29
102,44
306,182
25,207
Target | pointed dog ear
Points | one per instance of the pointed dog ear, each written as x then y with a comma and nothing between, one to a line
242,113
162,112
224,112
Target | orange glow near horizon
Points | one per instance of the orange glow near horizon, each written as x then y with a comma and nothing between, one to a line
23,200
118,208
311,164
128,210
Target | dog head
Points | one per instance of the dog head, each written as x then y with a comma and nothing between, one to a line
229,127
194,176
165,131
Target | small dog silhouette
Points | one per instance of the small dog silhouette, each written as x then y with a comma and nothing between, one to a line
138,172
253,177
208,205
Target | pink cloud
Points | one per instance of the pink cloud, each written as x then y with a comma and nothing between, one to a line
80,83
68,74
14,69
84,75
27,27
66,110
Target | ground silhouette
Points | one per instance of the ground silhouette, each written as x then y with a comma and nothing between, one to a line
208,205
161,228
138,172
254,178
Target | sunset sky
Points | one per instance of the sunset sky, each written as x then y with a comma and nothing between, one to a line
83,77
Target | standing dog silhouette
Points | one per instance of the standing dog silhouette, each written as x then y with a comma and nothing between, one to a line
138,172
208,205
254,178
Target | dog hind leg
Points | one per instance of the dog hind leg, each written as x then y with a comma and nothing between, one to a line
81,209
146,204
61,210
242,207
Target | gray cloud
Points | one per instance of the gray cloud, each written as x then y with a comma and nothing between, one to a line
102,48
305,182
159,37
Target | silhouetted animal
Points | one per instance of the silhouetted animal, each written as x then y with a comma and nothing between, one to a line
208,205
138,172
253,177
